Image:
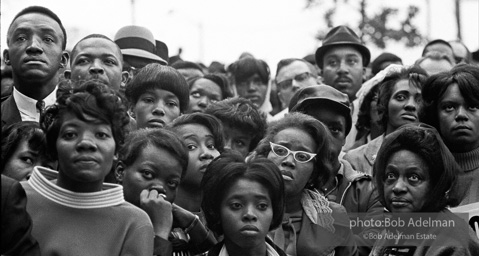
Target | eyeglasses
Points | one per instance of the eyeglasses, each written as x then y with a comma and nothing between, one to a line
288,83
299,156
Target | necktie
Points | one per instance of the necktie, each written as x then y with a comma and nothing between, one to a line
40,106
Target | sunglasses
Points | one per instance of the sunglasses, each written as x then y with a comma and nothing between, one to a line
299,156
288,83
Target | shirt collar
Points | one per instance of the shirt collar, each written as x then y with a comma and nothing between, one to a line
27,106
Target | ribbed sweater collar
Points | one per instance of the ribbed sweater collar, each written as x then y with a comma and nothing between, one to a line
41,181
468,161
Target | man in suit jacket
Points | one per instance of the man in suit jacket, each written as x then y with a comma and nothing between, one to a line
16,222
36,41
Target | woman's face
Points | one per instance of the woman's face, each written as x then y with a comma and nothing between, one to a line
85,152
156,108
237,139
203,93
458,121
201,151
154,168
253,89
406,182
246,214
295,174
403,105
20,164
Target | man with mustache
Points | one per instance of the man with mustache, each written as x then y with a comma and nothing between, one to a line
97,57
36,41
343,60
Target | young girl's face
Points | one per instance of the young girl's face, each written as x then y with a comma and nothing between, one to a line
295,174
246,214
85,152
154,168
20,164
201,151
203,93
156,108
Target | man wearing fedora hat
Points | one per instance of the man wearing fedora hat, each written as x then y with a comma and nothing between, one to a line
140,48
343,59
353,190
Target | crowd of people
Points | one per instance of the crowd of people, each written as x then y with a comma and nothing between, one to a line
116,148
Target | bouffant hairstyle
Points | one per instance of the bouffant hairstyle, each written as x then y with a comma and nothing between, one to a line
244,68
44,11
425,141
466,77
242,114
323,162
208,121
138,140
228,168
414,74
219,79
92,99
16,133
156,76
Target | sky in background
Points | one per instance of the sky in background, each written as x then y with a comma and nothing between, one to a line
221,30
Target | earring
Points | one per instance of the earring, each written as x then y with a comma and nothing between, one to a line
119,177
7,62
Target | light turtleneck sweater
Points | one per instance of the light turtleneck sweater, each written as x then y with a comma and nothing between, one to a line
96,223
469,162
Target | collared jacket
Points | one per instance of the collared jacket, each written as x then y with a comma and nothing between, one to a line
362,158
324,228
10,113
358,194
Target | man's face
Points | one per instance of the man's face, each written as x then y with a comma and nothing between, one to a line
440,47
343,69
35,51
433,66
336,124
98,58
460,52
291,78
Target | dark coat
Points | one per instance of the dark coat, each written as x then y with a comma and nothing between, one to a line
10,112
16,222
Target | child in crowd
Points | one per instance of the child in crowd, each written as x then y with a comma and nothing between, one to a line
23,147
243,202
244,126
208,89
202,134
251,79
300,146
73,211
157,94
151,167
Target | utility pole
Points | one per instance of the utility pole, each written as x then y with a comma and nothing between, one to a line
458,18
428,20
132,9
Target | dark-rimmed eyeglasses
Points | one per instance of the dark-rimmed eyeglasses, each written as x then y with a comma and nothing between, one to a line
299,156
288,83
